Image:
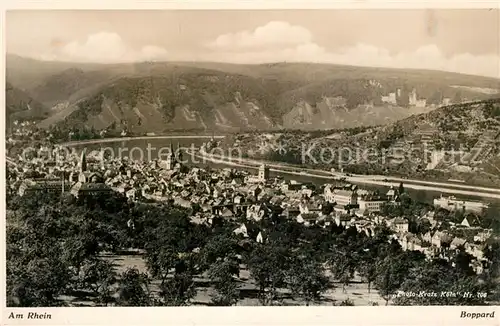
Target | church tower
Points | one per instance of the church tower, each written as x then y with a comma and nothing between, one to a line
170,161
263,172
83,162
179,153
82,177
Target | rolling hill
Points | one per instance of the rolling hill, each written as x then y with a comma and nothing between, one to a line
461,140
159,96
458,142
20,105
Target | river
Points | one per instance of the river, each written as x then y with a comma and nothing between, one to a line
154,148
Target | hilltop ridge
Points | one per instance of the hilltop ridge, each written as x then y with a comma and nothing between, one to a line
162,96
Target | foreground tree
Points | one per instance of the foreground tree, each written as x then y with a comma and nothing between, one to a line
393,270
491,253
178,290
386,285
37,274
307,280
347,302
134,289
99,276
223,276
343,270
368,270
387,280
220,259
219,248
38,283
267,265
441,278
170,243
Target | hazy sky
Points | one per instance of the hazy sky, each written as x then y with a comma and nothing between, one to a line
461,40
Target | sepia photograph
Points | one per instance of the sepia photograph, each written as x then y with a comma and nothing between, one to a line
334,157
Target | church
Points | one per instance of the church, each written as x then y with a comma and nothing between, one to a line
80,183
174,159
87,183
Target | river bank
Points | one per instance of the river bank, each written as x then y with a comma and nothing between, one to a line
124,139
430,188
483,192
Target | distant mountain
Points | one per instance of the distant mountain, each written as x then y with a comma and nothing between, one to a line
71,85
21,105
158,104
463,138
28,73
466,118
159,96
460,142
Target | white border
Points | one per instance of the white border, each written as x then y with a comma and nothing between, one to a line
245,4
268,316
437,315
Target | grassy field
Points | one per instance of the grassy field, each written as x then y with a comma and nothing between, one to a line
357,291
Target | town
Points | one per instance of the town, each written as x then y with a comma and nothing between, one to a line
324,161
450,230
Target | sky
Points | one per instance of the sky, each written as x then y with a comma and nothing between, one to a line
457,40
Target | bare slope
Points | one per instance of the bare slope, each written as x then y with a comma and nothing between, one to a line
162,96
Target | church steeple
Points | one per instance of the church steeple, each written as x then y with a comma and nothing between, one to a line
179,152
83,162
170,161
172,152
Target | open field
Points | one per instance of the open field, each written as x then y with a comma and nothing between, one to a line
357,292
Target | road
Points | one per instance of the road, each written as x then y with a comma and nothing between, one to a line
440,184
448,188
121,139
445,188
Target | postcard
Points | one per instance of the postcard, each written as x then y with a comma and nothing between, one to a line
223,163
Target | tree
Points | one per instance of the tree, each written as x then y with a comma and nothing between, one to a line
307,280
490,220
134,289
169,243
219,247
343,267
267,265
79,248
386,284
491,253
368,271
347,302
178,290
161,263
99,276
56,243
173,265
38,283
440,278
423,226
392,272
220,258
36,273
462,261
223,275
